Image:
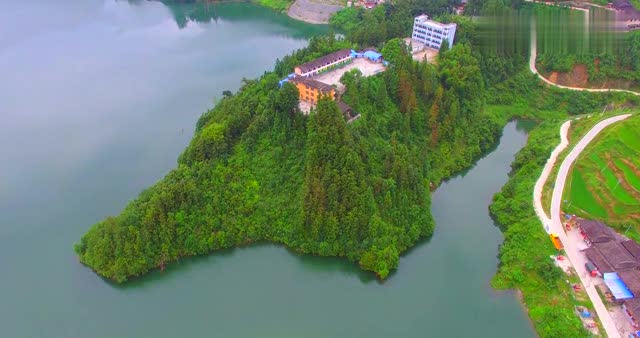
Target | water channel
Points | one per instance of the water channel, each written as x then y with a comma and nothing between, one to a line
98,98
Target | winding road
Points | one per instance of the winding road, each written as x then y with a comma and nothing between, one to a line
553,224
548,167
532,66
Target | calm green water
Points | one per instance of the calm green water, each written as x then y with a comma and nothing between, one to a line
98,98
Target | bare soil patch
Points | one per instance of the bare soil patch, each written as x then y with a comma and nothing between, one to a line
578,77
632,166
315,12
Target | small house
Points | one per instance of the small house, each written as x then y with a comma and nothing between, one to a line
595,232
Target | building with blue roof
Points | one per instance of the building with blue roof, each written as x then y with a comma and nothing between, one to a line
373,56
618,289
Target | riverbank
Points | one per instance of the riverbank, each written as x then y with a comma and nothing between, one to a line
524,255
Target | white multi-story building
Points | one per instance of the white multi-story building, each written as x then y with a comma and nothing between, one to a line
432,33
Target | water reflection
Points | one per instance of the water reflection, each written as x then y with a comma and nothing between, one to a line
525,126
205,12
113,94
332,266
175,270
318,267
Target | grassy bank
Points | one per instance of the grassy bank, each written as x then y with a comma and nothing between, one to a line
278,5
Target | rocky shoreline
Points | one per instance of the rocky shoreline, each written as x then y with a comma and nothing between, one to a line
312,12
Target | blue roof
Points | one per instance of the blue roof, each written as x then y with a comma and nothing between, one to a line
372,55
617,286
286,79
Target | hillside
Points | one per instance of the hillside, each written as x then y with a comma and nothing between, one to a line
582,49
605,183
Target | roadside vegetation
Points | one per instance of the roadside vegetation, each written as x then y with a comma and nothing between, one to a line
524,255
605,181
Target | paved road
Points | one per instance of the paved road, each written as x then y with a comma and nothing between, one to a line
532,67
572,250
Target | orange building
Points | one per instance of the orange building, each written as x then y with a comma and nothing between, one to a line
311,90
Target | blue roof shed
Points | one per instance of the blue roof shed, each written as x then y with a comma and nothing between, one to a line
373,56
617,286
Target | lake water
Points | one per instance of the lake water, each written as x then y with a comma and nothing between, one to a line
98,98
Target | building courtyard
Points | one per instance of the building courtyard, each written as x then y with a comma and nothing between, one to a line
366,67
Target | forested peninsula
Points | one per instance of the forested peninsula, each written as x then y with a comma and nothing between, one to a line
259,170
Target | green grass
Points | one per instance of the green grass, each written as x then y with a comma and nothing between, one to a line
602,185
630,137
628,174
279,5
582,199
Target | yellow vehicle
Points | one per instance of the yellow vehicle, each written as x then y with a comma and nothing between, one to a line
556,241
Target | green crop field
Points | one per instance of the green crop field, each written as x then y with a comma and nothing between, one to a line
605,181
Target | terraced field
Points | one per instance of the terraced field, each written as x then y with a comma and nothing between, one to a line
605,182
